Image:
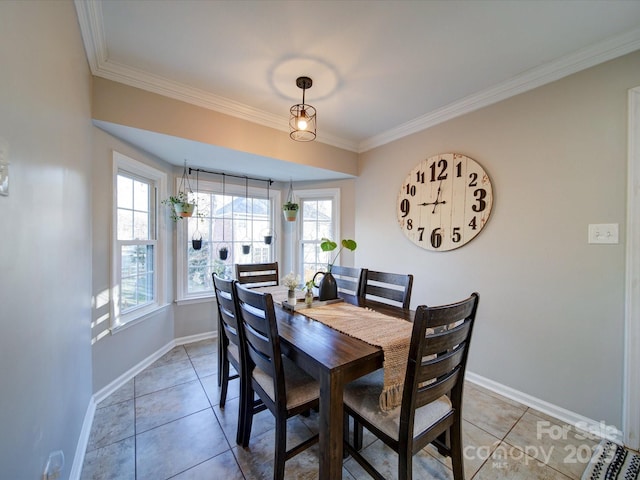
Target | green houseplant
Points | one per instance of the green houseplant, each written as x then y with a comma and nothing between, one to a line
290,211
328,287
180,205
327,245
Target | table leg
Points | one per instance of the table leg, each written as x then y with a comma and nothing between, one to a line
331,416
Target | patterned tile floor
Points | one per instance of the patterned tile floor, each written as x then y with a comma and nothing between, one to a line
167,423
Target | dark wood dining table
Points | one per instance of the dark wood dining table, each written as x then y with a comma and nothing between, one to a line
334,359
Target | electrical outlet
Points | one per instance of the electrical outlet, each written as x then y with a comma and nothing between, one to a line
54,466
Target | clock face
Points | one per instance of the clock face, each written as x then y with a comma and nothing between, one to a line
444,202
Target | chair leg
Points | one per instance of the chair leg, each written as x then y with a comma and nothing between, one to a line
357,434
345,434
220,356
225,382
247,418
243,406
405,465
281,449
457,460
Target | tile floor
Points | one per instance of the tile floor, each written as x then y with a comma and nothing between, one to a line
167,423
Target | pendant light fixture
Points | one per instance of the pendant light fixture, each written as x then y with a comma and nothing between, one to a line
302,121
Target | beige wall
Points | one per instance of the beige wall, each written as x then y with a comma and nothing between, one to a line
113,355
124,105
45,236
551,312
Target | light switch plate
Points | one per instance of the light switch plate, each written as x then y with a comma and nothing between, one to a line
4,179
603,233
4,167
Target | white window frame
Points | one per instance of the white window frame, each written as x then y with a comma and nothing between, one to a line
182,241
158,179
332,194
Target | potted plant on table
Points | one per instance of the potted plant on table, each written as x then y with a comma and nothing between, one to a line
291,281
328,288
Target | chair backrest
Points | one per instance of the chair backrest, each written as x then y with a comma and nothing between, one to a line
257,274
260,332
349,279
227,310
393,288
437,357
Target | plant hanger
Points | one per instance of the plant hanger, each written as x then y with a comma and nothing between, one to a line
246,245
223,250
290,208
196,238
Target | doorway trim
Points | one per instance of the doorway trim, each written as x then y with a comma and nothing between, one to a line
631,388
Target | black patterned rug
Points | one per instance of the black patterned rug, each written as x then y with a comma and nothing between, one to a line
610,461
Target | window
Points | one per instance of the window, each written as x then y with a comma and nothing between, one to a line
320,219
232,221
137,260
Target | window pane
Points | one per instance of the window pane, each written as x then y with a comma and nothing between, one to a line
125,224
125,192
141,196
137,276
232,221
318,223
141,226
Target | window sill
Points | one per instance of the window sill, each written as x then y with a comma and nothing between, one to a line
143,316
195,300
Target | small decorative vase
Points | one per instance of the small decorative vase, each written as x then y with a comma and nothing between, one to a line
246,249
308,298
291,296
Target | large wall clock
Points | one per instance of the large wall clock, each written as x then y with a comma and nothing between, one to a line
444,202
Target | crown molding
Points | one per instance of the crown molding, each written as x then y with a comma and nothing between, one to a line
91,27
580,60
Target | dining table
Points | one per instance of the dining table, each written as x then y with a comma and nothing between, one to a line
334,359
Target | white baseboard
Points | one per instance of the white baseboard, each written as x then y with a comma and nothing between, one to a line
570,418
81,447
96,398
196,338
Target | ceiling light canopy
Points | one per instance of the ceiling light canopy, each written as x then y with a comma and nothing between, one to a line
302,121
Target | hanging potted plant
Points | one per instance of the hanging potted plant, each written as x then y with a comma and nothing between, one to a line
290,208
290,211
180,204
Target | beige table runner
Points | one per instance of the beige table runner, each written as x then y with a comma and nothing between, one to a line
391,334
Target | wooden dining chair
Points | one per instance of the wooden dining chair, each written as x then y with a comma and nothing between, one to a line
392,288
257,274
283,387
229,344
431,408
349,279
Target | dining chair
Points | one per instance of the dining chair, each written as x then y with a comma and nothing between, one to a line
431,408
349,279
257,274
284,388
229,344
392,288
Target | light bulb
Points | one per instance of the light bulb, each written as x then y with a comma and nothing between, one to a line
302,120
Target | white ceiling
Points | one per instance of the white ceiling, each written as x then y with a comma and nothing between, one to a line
381,69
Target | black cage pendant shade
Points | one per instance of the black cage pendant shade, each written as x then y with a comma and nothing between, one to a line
302,121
